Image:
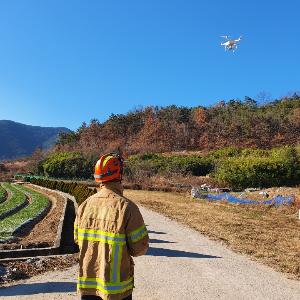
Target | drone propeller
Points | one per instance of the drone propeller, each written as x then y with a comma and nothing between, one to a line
225,37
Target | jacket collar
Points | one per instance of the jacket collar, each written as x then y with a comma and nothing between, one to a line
113,186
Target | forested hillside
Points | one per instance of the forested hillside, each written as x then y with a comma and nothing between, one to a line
18,140
153,129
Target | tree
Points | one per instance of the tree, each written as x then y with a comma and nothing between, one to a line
200,116
3,168
249,102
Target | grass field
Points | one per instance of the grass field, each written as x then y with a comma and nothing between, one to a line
270,235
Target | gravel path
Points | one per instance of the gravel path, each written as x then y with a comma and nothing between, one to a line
181,265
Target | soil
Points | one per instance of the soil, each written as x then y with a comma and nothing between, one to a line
43,234
25,268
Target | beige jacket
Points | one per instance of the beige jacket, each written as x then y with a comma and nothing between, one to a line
109,229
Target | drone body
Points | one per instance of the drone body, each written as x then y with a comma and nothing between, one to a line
230,44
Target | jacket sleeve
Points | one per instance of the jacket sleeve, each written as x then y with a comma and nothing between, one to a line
137,238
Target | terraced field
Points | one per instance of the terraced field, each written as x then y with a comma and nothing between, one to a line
15,201
22,208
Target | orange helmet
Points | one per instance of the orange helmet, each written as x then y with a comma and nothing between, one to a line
109,167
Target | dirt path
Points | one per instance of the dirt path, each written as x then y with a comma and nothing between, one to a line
181,264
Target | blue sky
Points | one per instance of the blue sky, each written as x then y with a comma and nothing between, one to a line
65,62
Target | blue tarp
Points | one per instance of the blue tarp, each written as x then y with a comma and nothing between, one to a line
277,200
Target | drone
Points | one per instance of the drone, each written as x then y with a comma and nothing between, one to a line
230,44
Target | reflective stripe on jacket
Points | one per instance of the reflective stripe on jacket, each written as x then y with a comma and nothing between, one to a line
109,229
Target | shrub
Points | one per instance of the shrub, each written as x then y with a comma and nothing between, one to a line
225,153
67,165
282,167
148,165
188,165
80,191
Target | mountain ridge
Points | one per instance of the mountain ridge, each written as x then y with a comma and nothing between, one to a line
19,140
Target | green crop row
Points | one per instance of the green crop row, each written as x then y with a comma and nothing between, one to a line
2,194
39,203
16,200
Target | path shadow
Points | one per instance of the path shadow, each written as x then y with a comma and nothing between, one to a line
38,288
177,253
67,244
160,241
156,232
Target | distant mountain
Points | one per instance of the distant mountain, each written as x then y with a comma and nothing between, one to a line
17,140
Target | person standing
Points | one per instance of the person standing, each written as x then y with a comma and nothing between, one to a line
109,230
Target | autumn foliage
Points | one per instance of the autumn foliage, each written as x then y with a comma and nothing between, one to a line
152,129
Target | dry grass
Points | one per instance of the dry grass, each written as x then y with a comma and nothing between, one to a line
270,235
174,183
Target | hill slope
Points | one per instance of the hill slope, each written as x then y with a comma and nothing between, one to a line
237,123
17,140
